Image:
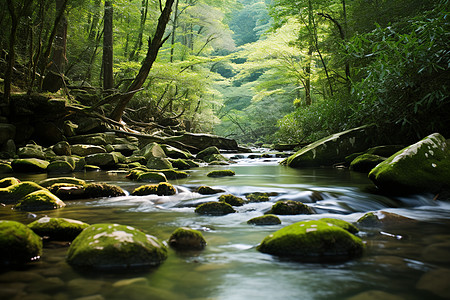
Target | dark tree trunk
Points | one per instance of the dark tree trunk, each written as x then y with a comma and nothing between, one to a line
174,28
108,79
138,45
152,52
11,54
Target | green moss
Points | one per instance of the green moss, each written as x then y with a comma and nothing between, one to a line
8,181
60,167
72,180
257,197
97,190
29,165
206,190
369,219
152,177
366,162
214,209
341,223
5,168
187,239
265,220
232,200
40,200
221,173
67,191
113,246
60,229
315,241
290,207
18,243
180,164
13,193
161,189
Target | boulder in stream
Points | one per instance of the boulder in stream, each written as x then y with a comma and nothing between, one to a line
332,149
18,243
232,200
60,167
290,207
15,192
39,200
59,229
185,238
215,209
421,167
221,173
313,241
341,223
29,165
265,220
202,141
114,246
366,162
207,190
85,150
8,181
99,190
5,168
161,189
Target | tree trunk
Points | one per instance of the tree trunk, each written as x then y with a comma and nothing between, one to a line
11,54
309,57
152,52
108,80
174,28
138,45
54,79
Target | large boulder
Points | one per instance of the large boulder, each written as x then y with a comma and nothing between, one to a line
98,139
18,243
332,149
366,162
15,192
152,150
29,165
113,246
62,148
421,167
314,241
31,151
102,160
60,229
202,141
59,167
85,150
40,200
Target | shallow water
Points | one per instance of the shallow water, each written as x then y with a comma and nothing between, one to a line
396,263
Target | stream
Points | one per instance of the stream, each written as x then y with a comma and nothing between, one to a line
408,260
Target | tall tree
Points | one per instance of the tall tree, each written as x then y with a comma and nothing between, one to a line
153,48
108,76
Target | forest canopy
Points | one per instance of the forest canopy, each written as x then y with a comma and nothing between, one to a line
259,71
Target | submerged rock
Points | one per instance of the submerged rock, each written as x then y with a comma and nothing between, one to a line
60,229
232,200
221,173
383,218
161,189
330,150
436,282
113,246
40,200
13,193
265,220
187,239
421,167
18,243
214,209
314,241
290,207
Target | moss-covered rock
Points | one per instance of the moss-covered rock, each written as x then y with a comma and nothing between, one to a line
99,190
341,223
62,148
290,207
384,218
39,200
103,160
152,177
59,229
176,153
221,173
265,220
158,163
332,149
180,164
13,193
59,167
421,167
314,241
5,168
85,150
214,209
366,162
173,174
67,191
152,150
8,181
207,152
71,180
29,165
232,200
113,246
31,151
18,243
187,239
161,189
206,190
257,197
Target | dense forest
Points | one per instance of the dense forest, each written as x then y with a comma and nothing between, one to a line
258,71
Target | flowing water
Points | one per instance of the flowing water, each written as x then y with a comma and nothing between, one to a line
407,260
